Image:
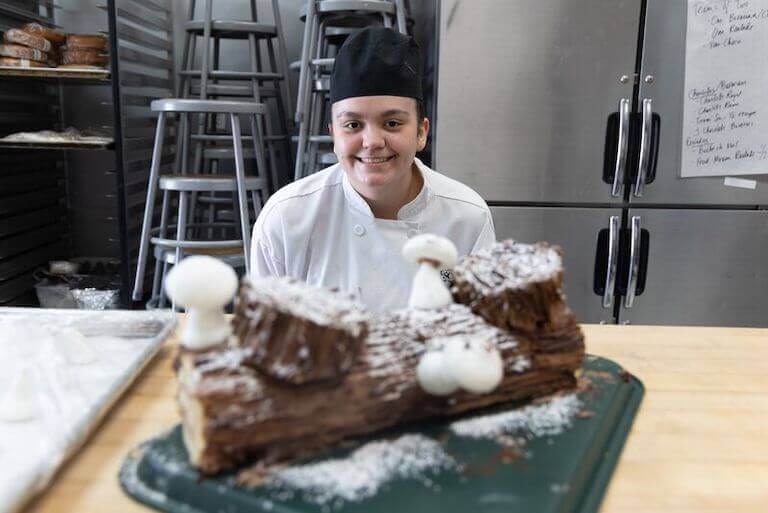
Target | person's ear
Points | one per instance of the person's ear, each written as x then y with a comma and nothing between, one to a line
423,133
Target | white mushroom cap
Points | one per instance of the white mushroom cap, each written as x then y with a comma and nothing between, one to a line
201,282
431,247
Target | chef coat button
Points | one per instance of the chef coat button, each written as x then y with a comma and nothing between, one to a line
359,230
412,233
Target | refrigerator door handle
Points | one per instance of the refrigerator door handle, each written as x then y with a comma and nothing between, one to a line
621,148
634,263
645,147
613,258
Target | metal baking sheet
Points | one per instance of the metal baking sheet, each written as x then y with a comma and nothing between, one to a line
70,398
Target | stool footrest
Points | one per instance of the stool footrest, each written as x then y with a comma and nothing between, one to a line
225,137
234,75
233,90
208,183
196,244
317,139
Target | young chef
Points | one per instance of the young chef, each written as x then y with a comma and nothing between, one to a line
346,225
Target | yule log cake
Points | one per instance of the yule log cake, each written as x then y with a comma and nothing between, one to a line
307,368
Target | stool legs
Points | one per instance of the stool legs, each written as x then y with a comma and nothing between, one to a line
283,103
258,150
286,85
401,24
256,124
305,91
304,69
181,224
315,127
157,284
181,84
205,67
242,198
184,143
154,177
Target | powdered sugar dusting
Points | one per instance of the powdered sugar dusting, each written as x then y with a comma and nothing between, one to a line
321,306
362,474
508,265
547,419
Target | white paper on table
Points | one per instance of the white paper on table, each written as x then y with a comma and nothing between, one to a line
71,398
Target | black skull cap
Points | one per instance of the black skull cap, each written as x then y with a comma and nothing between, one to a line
377,61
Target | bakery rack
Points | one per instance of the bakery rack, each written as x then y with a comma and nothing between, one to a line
39,213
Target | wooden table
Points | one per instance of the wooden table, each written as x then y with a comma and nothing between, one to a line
699,443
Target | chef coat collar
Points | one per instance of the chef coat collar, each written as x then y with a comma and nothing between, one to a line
407,212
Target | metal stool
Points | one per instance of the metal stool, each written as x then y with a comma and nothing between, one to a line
323,21
267,82
188,186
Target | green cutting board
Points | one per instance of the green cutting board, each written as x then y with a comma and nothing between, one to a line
567,472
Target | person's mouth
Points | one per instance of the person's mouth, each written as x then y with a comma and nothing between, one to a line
374,160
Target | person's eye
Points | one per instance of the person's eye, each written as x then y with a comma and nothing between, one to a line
393,123
352,125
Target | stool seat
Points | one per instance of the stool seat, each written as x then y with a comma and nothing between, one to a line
337,35
233,29
211,106
356,6
208,183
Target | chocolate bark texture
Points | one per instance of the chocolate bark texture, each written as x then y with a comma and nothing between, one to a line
282,389
298,334
234,414
517,287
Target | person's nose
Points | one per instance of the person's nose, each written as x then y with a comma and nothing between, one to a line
373,137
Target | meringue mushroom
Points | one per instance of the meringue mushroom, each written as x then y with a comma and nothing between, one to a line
475,364
432,253
76,348
19,402
432,373
204,286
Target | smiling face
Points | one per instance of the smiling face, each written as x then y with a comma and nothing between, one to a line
376,139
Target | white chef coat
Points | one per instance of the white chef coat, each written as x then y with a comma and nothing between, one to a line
320,230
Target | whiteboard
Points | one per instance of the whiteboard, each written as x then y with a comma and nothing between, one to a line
725,111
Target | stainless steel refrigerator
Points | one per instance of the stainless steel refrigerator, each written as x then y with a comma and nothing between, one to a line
566,116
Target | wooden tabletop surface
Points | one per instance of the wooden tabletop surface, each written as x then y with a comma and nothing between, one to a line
699,443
